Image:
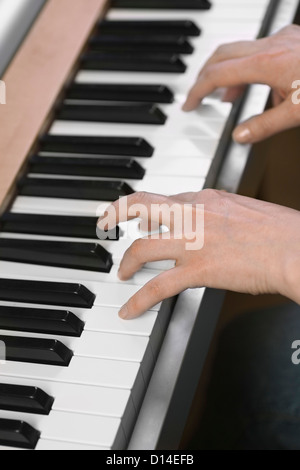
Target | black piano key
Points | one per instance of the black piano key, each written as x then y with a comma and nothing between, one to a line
25,399
46,293
91,190
142,43
97,167
133,62
127,146
83,256
162,4
127,114
56,226
18,434
133,93
51,322
161,27
36,351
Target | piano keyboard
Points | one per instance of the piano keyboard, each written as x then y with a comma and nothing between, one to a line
76,374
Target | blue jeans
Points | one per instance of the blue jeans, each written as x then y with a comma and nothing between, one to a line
254,394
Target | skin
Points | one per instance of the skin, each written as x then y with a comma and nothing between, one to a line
250,246
272,61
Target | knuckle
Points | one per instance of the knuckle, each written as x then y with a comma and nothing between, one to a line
155,289
142,196
267,57
220,50
133,304
210,194
216,201
137,248
290,29
265,123
209,72
259,58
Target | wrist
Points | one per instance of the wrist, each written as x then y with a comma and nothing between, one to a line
291,282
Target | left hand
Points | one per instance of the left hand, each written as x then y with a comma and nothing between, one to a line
250,246
272,61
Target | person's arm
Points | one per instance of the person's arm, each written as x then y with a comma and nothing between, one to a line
274,61
249,246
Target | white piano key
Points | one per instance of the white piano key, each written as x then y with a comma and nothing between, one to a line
103,346
81,371
107,295
167,165
167,185
207,121
72,427
44,445
139,279
198,128
104,319
9,448
98,345
211,110
117,249
98,401
178,166
220,12
178,147
53,206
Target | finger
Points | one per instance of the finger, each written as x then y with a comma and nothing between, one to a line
236,50
276,99
230,73
129,208
233,93
278,96
164,286
146,250
148,226
267,124
184,197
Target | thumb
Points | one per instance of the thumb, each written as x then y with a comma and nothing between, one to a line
267,124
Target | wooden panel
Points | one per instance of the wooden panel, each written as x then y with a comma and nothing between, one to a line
36,77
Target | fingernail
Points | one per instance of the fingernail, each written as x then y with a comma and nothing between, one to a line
124,313
242,136
120,275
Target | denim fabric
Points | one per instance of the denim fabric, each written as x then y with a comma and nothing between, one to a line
254,394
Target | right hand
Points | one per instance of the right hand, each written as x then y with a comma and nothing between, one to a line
249,246
273,61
